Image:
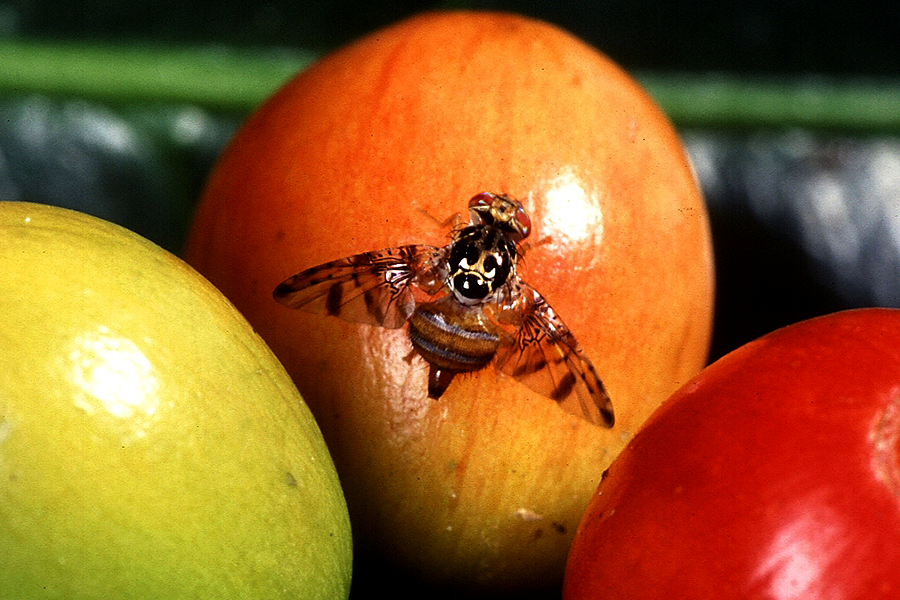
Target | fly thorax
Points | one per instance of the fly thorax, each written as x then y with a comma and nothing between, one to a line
480,262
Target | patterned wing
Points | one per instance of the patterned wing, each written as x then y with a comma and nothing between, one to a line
373,287
545,356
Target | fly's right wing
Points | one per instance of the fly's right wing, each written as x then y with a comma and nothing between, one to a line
544,355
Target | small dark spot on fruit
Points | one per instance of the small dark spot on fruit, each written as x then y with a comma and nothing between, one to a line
290,479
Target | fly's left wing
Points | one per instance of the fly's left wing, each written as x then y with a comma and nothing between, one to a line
373,287
544,355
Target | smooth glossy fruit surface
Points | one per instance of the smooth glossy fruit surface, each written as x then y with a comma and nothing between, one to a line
151,446
773,474
380,144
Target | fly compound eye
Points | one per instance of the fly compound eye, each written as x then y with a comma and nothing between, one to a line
522,223
480,208
481,201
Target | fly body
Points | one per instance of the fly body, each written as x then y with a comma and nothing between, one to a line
478,310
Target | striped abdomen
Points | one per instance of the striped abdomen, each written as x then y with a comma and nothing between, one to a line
452,336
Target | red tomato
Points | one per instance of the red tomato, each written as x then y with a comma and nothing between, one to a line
379,145
773,474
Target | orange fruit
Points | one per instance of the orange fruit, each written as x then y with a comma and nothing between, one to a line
380,144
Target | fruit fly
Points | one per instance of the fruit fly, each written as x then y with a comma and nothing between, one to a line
466,307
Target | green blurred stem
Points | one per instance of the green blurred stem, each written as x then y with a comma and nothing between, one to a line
238,80
813,102
215,77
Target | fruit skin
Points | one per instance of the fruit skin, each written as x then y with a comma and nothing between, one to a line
772,474
379,145
151,446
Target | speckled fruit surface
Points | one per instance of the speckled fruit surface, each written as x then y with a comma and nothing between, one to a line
151,445
380,144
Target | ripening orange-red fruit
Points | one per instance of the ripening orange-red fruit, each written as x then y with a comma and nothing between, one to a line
379,145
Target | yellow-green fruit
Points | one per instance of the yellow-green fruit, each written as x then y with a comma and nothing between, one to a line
151,446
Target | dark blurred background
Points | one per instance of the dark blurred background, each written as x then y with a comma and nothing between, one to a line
765,36
805,207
